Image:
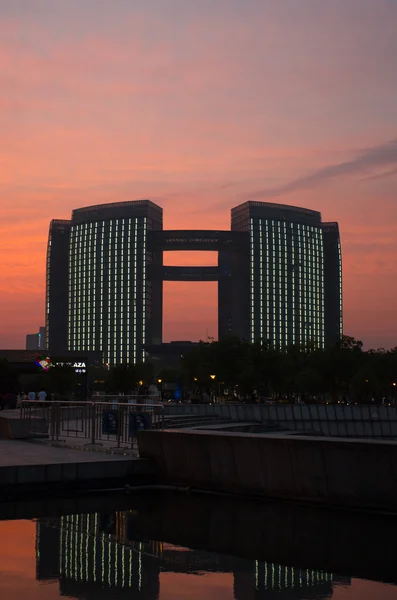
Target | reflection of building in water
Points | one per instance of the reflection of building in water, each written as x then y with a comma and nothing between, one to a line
91,559
93,554
265,580
47,549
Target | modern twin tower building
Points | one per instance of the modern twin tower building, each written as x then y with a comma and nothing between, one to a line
279,277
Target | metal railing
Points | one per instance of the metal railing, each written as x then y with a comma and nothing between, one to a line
92,423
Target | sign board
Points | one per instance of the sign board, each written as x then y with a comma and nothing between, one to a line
79,365
137,422
110,420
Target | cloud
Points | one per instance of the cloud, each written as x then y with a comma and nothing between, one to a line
383,155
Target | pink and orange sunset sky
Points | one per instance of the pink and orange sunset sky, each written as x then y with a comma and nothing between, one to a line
199,106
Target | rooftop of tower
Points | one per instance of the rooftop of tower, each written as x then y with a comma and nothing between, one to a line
116,209
273,210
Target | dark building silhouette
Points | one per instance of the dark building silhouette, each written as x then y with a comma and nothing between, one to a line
333,305
278,273
57,286
36,341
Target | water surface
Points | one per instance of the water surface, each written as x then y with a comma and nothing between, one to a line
105,553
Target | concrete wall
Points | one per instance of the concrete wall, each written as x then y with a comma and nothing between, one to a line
322,419
348,473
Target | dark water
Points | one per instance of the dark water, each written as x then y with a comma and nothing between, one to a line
136,547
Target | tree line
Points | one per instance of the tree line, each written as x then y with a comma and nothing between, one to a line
234,367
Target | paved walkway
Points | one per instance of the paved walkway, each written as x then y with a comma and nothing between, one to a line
14,453
30,463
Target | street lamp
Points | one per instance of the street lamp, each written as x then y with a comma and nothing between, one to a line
212,376
159,380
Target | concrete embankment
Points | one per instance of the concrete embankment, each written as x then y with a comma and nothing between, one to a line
28,466
357,474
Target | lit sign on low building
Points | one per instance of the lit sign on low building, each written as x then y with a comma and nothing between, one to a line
78,365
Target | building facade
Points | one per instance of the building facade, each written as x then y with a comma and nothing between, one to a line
112,302
279,277
295,274
36,341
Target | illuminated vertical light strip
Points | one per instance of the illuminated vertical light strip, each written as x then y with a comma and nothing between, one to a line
67,549
315,286
144,288
252,280
293,318
300,296
82,557
79,289
128,287
61,548
70,292
89,287
304,283
75,283
110,291
320,287
135,323
130,569
76,324
280,288
95,543
260,280
70,546
87,553
286,284
273,292
316,306
74,299
340,289
122,289
123,566
83,288
267,283
101,321
312,286
116,288
256,575
116,563
76,546
94,290
87,278
109,562
103,558
140,567
309,284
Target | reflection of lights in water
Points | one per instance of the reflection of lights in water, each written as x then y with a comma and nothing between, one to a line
140,567
98,549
